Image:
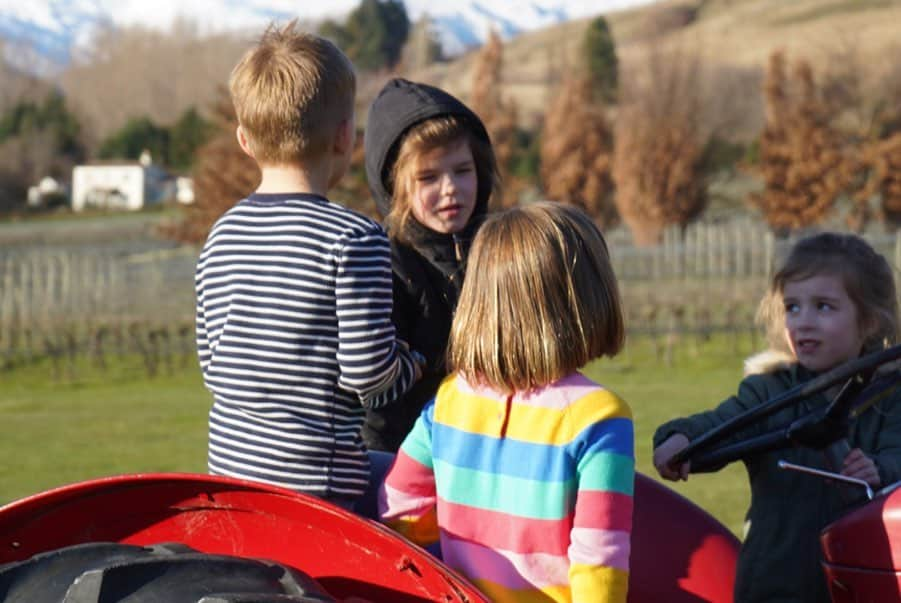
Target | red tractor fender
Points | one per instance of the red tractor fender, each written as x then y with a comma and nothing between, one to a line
347,555
680,554
862,552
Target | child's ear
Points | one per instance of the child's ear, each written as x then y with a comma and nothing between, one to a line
345,136
243,142
870,327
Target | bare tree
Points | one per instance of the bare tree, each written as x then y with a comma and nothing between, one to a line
659,143
136,72
422,48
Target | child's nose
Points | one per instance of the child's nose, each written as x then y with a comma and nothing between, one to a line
803,318
448,183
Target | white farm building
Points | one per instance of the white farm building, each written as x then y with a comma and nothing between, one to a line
127,185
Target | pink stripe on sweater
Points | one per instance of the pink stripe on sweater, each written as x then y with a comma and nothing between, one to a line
559,394
503,531
600,547
394,503
510,570
415,478
604,510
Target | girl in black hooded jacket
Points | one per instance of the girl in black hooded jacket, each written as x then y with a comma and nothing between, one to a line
431,170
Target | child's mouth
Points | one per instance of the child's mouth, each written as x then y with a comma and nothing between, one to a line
807,345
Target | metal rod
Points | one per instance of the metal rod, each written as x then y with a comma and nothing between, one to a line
827,474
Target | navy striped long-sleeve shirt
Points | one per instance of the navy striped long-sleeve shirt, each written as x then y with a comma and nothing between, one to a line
295,339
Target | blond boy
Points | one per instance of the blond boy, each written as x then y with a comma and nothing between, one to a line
294,331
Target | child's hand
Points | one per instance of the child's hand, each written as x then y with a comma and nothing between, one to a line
420,363
663,456
859,465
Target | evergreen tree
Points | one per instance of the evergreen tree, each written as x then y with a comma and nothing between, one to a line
137,135
185,136
601,60
37,139
373,35
55,116
336,32
223,174
28,117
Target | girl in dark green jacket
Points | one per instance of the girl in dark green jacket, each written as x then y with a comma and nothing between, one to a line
833,300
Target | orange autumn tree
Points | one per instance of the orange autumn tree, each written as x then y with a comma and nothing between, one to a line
803,160
882,160
576,151
498,115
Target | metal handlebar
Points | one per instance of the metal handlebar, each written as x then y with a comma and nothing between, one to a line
827,474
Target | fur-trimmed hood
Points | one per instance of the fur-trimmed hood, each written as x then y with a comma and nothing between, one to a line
768,361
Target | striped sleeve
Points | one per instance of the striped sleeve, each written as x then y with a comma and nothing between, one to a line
407,498
200,328
602,524
371,363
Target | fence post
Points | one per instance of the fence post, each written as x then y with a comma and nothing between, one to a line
768,251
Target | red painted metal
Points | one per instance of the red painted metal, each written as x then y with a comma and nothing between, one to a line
862,552
680,554
347,555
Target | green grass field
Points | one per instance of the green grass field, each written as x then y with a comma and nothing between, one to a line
119,421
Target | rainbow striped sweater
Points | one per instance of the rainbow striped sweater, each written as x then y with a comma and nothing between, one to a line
530,494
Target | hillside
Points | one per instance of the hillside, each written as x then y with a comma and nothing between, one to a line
735,39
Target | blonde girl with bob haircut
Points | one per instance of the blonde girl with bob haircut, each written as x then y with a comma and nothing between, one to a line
832,300
537,317
521,466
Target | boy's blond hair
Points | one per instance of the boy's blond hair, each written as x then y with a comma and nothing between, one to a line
866,275
426,136
291,92
539,302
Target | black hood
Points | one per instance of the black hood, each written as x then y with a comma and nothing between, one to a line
400,105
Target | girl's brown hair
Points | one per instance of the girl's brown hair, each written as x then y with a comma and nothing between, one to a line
539,302
866,275
442,131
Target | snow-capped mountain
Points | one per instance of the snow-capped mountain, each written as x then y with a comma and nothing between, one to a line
55,29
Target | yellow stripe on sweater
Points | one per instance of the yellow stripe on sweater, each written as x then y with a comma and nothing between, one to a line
592,585
473,413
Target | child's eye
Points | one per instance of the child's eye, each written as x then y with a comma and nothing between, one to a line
425,177
464,169
791,308
824,306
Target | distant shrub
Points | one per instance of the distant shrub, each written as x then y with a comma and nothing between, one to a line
720,154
